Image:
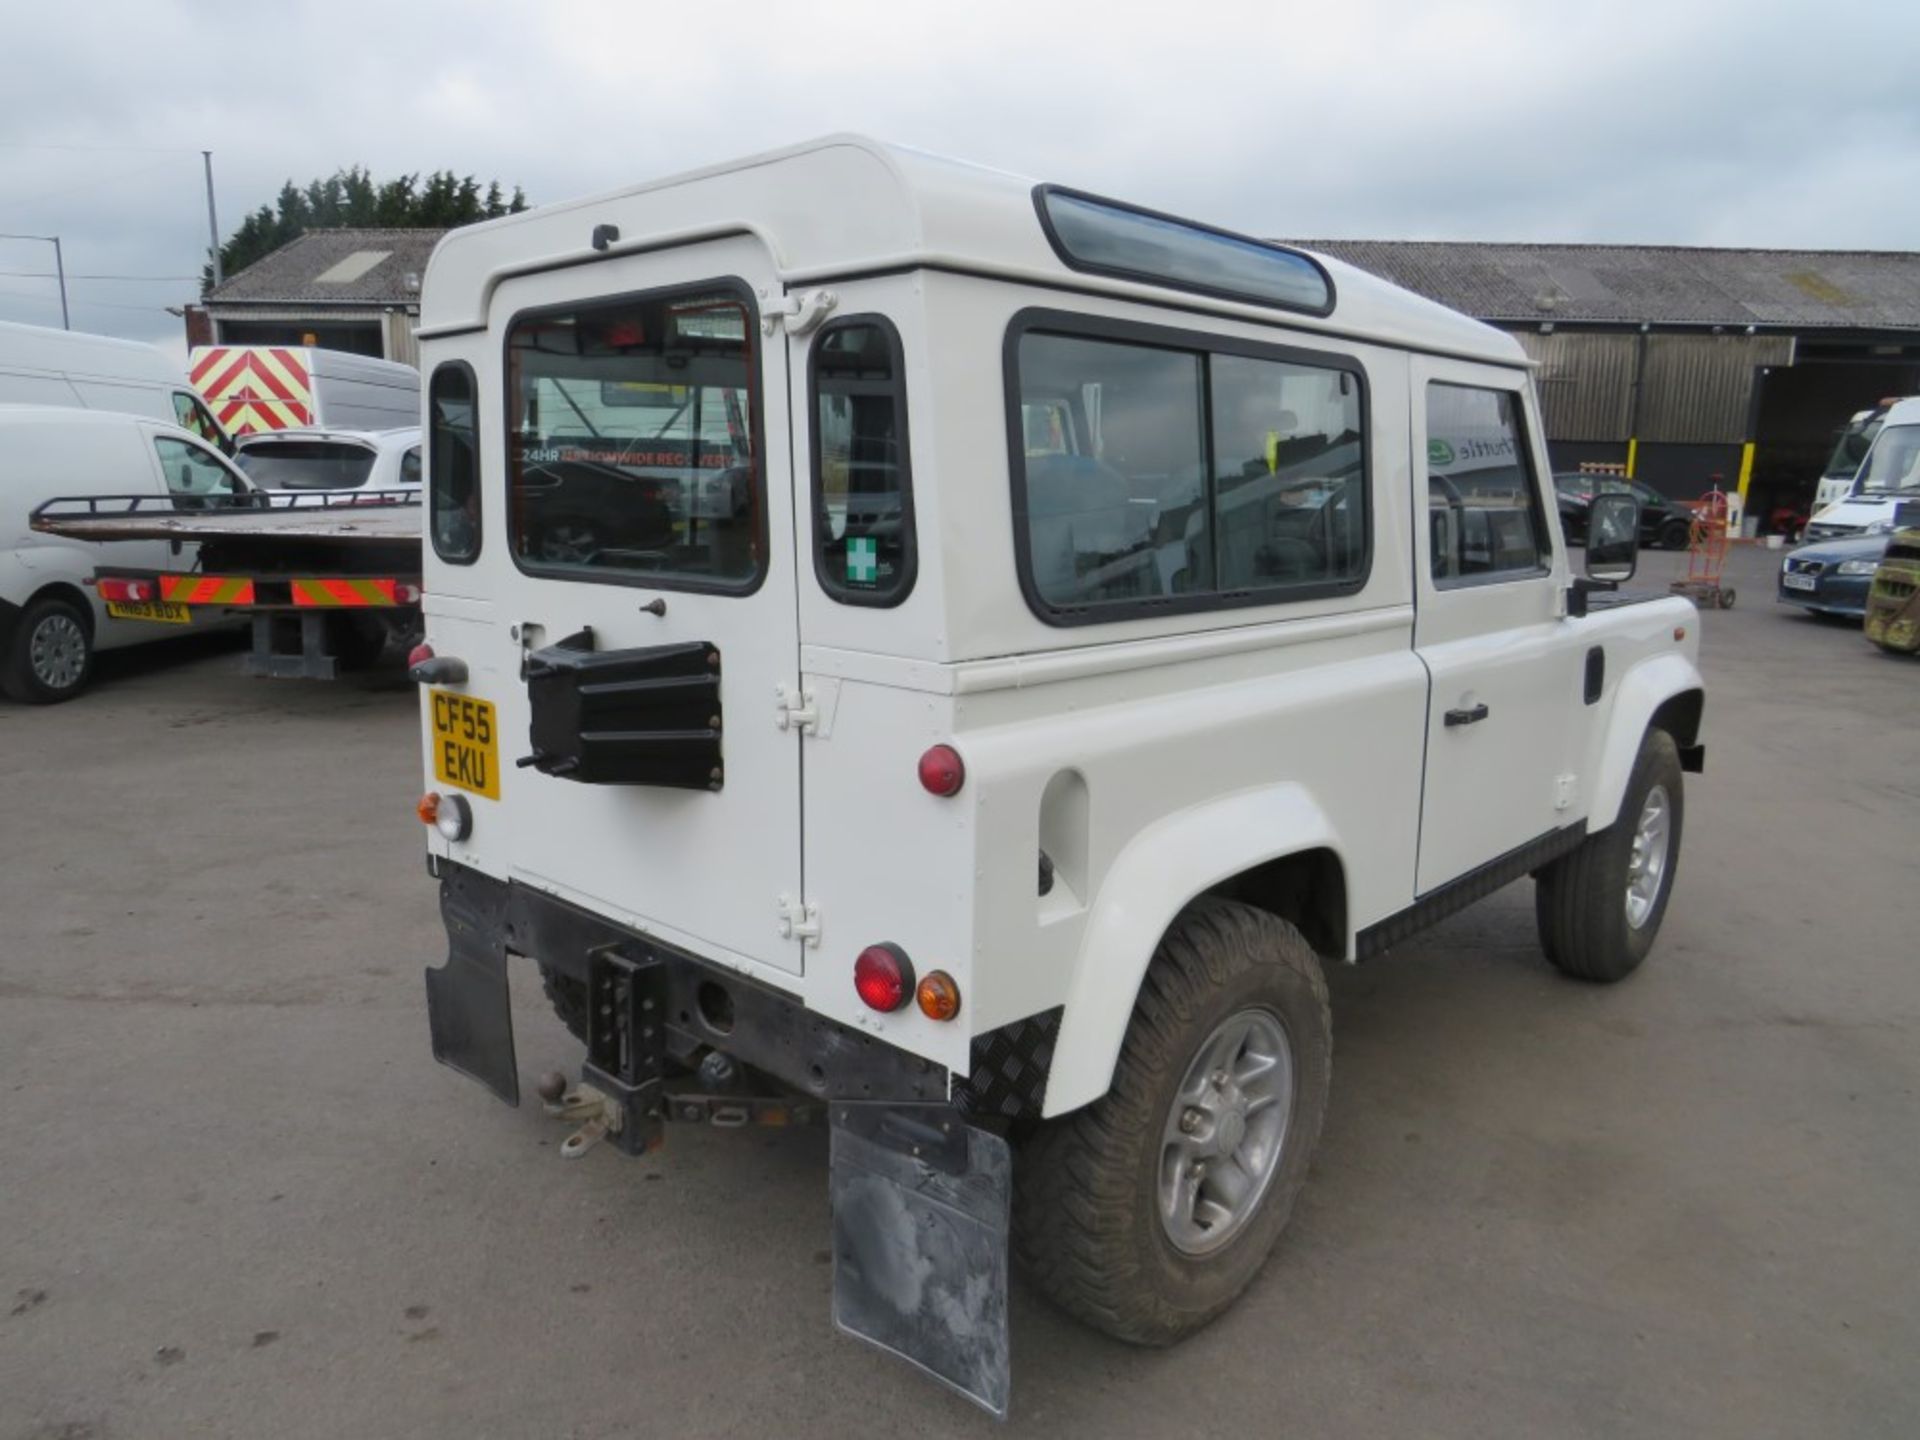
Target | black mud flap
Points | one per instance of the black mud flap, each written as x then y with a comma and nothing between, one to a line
468,1007
920,1213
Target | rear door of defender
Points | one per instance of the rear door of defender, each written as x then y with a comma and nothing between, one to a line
649,606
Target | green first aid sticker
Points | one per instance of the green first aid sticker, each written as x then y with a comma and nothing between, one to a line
863,560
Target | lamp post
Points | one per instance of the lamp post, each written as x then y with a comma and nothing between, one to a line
59,269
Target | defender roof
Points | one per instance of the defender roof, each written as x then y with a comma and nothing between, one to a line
846,205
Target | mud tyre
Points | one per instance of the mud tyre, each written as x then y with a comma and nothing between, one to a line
1599,908
1097,1224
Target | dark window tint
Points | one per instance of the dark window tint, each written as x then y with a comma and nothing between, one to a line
1160,475
1115,473
862,491
1111,239
410,467
306,464
1482,507
453,465
631,441
1290,497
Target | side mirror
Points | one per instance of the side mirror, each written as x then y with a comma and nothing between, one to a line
1613,538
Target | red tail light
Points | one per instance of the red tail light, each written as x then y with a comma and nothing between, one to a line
419,654
128,588
942,772
883,976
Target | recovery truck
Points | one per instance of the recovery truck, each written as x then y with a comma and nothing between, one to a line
327,578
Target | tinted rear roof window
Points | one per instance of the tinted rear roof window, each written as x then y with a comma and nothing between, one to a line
1104,237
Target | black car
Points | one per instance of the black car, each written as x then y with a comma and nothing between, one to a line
1664,524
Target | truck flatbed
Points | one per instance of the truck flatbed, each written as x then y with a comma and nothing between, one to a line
376,523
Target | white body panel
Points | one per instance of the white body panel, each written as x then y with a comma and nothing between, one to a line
48,452
1153,755
39,366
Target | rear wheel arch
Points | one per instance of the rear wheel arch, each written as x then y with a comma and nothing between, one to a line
73,595
1307,889
1165,869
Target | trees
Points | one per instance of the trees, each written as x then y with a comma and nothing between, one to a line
352,197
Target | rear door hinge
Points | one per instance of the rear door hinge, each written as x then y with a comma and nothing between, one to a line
794,709
799,921
801,313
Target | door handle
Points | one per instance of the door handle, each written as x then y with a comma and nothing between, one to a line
1467,717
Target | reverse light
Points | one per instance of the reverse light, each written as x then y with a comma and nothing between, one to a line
942,772
938,996
883,977
451,815
454,817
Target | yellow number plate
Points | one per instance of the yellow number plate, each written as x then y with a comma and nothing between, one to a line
165,612
466,743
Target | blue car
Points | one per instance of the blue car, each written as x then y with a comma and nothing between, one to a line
1831,577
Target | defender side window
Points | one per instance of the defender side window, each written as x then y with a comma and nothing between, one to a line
453,465
1168,477
862,479
1483,505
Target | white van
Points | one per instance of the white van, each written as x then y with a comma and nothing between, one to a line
52,618
255,389
39,366
956,657
1889,474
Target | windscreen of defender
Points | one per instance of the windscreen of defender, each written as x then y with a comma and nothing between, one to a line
632,441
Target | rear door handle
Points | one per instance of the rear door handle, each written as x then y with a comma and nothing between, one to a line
1467,717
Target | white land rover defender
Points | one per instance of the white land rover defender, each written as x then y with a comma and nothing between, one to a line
955,657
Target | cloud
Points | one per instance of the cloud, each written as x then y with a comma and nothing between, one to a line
1707,123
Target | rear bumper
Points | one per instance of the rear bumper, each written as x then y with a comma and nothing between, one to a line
921,1192
695,1006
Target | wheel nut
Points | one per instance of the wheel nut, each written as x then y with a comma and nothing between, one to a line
1197,1170
1191,1121
1219,1079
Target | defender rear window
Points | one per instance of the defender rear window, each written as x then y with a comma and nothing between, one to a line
632,441
1162,477
1104,237
453,465
862,483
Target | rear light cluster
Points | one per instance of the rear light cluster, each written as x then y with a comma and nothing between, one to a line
128,588
883,978
451,815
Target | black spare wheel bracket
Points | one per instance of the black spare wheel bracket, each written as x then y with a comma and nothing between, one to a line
649,716
627,1043
920,1218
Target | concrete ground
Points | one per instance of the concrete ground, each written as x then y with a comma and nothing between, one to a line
237,1198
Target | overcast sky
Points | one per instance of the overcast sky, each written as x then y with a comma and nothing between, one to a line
1682,121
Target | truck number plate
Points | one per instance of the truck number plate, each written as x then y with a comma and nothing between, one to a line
1799,582
466,743
165,612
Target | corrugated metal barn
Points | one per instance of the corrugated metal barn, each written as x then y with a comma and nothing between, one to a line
1685,364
